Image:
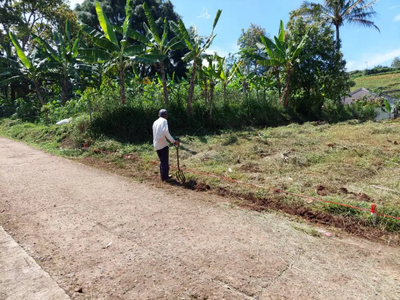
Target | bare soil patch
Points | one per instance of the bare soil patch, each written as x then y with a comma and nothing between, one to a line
349,224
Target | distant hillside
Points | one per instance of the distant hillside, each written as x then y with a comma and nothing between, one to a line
390,83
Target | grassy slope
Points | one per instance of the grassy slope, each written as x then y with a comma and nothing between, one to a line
386,81
349,162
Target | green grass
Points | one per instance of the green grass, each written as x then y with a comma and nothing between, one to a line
360,159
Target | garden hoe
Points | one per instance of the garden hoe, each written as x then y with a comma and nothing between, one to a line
179,174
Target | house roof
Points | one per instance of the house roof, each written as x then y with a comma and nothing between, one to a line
363,92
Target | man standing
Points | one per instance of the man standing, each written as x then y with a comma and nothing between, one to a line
160,134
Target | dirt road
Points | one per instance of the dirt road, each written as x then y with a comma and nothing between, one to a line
101,236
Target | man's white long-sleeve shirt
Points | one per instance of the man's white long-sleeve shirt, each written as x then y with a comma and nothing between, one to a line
160,133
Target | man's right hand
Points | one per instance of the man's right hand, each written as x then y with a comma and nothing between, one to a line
177,143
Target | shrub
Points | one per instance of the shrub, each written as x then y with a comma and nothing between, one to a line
52,112
334,112
26,109
7,107
126,123
363,111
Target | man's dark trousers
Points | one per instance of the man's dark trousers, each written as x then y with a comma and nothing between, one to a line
163,154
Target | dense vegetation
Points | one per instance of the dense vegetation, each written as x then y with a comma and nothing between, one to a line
119,62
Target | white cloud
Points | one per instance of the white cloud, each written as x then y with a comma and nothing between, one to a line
373,60
397,18
204,14
73,3
221,52
393,7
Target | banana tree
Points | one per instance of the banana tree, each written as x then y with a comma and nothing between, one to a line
260,83
391,108
159,46
63,57
91,75
211,72
176,84
202,81
196,49
226,75
280,53
117,54
243,77
29,67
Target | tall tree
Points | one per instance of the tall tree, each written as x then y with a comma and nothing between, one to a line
280,53
339,12
211,72
115,11
160,45
118,54
32,16
196,47
63,57
395,63
321,75
10,17
247,42
226,74
26,68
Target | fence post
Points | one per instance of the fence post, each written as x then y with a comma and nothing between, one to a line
373,213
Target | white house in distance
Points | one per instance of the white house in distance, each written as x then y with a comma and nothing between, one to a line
364,93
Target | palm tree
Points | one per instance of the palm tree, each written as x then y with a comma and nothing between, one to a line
211,73
243,77
63,57
226,75
196,49
260,83
117,54
339,12
280,53
159,46
29,67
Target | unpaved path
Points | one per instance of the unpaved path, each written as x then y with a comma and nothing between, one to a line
101,236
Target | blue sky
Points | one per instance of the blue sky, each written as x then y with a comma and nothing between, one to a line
361,46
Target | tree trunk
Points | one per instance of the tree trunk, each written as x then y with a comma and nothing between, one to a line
212,85
337,38
278,82
179,95
225,98
264,96
164,82
12,92
64,90
191,89
244,86
205,91
286,91
38,93
122,85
